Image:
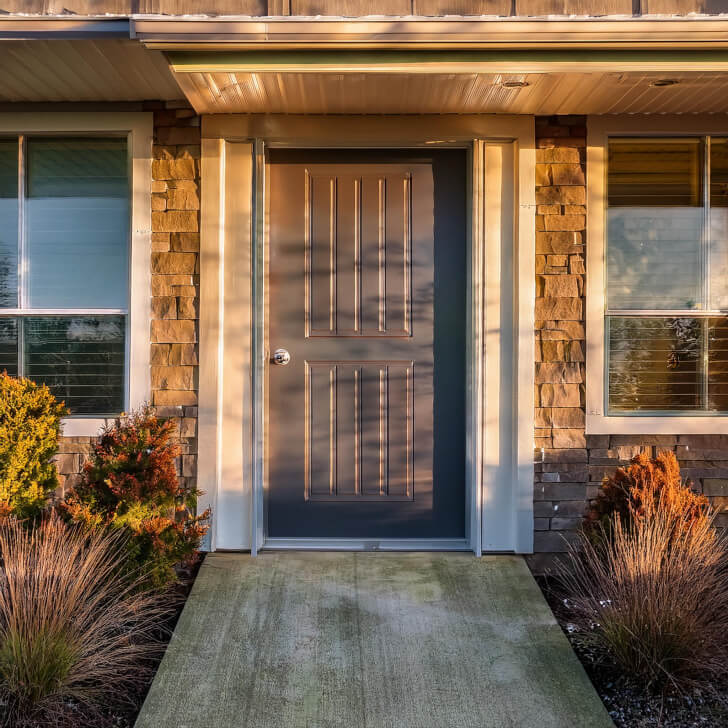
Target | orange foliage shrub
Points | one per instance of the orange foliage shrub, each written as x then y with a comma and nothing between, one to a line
635,492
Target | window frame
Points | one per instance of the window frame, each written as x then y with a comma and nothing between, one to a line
138,129
599,130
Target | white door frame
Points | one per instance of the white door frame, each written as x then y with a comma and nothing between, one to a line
500,341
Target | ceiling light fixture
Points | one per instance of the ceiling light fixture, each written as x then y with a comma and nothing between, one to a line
514,84
660,82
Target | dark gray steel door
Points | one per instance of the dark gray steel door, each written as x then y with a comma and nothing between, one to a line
352,298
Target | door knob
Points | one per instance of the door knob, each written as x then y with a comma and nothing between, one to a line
281,357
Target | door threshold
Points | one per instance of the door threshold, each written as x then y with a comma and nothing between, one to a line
352,544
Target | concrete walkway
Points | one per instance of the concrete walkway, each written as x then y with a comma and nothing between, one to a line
364,640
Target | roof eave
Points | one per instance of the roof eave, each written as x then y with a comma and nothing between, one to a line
452,32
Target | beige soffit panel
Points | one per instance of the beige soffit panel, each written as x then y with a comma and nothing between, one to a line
83,70
200,33
591,93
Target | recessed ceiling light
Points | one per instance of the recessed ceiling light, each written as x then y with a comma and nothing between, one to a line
665,82
514,84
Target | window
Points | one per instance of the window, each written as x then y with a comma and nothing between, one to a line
64,280
657,301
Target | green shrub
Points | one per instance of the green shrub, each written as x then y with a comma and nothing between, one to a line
30,423
130,483
76,637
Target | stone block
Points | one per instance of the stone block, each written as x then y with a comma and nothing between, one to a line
543,175
565,524
552,541
173,332
559,242
560,223
597,441
185,242
173,377
559,308
189,466
174,263
552,351
563,286
558,372
554,394
553,209
557,455
175,221
164,285
160,355
165,169
187,308
574,351
543,417
164,307
568,417
183,355
564,330
558,155
568,174
188,427
569,437
171,397
715,487
560,195
183,195
159,202
576,265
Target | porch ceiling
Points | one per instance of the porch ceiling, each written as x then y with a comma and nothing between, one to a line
600,92
100,69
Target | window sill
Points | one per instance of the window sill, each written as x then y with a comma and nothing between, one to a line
83,426
651,425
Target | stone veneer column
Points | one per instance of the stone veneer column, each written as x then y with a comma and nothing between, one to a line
562,477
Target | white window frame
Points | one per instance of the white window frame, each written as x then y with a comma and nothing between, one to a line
139,129
599,130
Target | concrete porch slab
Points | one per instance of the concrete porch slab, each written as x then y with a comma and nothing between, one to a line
369,640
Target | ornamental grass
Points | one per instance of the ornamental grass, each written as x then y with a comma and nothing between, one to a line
77,638
647,584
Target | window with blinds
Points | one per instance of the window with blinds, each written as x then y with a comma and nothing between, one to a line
667,276
64,267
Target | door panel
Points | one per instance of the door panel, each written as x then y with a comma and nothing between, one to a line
352,298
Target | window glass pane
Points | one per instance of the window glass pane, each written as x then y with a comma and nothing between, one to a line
718,364
655,364
81,359
77,223
655,224
9,346
8,223
718,224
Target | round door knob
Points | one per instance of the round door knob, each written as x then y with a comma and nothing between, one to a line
281,357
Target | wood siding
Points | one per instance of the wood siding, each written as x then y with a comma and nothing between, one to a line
522,8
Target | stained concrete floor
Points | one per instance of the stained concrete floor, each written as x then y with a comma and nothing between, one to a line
369,640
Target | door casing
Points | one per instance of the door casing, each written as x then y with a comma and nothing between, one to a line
499,466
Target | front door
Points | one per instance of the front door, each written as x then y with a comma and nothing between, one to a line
367,370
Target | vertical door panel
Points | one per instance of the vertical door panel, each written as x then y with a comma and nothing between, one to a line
352,279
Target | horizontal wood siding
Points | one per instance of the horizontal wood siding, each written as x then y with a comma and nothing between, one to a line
351,8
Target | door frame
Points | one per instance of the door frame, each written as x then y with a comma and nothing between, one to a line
500,318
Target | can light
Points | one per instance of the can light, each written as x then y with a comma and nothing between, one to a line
661,82
514,84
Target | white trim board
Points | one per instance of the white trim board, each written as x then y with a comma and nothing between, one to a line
599,129
139,128
502,234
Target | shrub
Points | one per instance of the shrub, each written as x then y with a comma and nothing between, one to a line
75,638
635,491
650,594
30,423
130,483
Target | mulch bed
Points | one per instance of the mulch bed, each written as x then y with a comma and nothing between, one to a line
178,598
628,704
